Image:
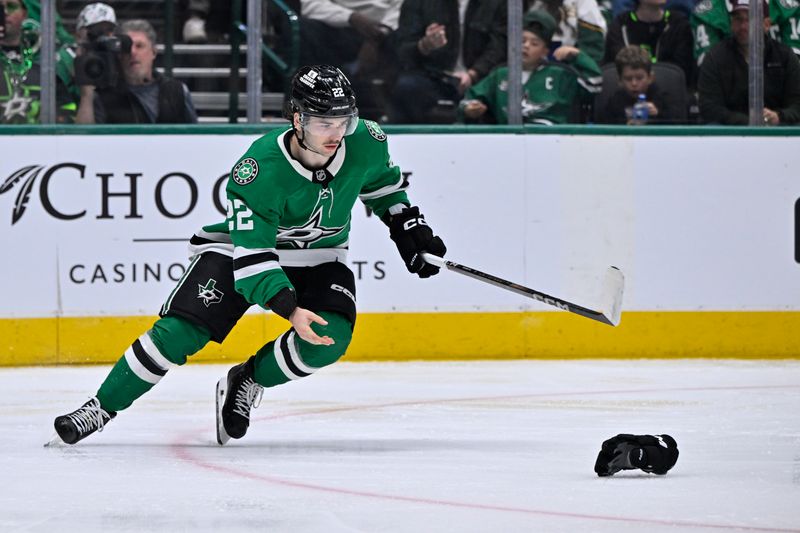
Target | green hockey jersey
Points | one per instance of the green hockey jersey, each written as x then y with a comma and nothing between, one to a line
710,23
550,94
280,213
785,15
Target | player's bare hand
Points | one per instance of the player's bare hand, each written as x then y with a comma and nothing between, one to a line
301,320
652,109
474,108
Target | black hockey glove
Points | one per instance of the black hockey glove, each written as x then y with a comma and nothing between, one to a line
654,454
412,235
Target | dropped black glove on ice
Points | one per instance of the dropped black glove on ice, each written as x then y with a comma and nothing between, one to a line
654,454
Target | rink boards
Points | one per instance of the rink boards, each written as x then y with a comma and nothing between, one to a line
95,229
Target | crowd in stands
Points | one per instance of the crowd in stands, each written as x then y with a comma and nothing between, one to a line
433,61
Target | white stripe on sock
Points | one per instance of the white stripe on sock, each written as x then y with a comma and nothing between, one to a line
281,361
139,369
155,354
296,356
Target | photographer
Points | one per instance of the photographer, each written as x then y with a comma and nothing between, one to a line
120,86
94,20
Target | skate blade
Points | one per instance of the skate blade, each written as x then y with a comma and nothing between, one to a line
222,435
55,442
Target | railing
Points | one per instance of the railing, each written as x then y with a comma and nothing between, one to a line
257,50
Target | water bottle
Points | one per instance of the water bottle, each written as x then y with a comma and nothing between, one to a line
640,112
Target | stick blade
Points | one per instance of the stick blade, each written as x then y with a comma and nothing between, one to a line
613,289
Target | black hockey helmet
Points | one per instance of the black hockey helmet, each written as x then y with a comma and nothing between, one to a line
321,91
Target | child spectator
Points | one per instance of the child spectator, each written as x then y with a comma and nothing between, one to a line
666,34
580,24
635,70
552,91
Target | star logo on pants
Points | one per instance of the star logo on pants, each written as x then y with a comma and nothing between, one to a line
209,293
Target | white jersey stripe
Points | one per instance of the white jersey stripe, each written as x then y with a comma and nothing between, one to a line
384,191
241,251
252,270
219,247
219,237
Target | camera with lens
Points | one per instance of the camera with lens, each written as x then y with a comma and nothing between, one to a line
99,62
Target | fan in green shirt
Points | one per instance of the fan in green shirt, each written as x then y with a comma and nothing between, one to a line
553,91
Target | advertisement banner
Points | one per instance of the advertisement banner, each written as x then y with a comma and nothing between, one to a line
98,225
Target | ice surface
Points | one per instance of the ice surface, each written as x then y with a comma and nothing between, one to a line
418,447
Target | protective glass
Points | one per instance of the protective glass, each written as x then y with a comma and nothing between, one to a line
326,126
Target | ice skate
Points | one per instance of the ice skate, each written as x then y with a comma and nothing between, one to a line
82,422
237,394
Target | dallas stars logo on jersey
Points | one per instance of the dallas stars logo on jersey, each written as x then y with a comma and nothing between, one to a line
310,232
209,293
245,171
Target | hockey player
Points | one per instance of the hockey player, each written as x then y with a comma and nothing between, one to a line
283,246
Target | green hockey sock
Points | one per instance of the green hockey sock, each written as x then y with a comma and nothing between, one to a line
289,357
121,387
148,359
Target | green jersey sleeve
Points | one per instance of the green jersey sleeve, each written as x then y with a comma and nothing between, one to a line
255,203
385,185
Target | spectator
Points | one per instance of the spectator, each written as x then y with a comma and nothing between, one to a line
552,91
665,34
208,20
723,83
335,31
444,48
194,29
141,95
580,25
20,72
34,8
94,20
710,24
635,71
684,6
356,36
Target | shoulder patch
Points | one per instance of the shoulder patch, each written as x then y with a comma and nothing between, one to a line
375,130
245,171
788,4
702,7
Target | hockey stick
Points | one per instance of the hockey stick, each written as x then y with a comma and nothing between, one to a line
613,286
